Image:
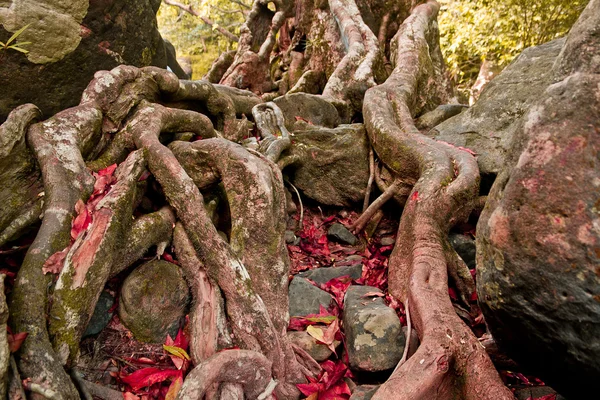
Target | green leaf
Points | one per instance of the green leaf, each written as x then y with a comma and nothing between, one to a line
2,44
325,320
14,47
176,351
16,34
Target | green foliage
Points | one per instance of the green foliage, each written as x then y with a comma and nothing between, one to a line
193,37
17,46
498,30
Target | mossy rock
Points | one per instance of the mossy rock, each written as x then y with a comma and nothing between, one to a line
153,300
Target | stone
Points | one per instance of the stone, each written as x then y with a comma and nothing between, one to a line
340,233
387,241
154,298
465,247
101,316
70,41
308,107
290,237
488,126
535,392
323,275
330,166
538,237
374,336
364,392
318,351
306,298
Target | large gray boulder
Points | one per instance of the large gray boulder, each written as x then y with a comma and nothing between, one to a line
489,125
374,336
330,166
538,238
70,41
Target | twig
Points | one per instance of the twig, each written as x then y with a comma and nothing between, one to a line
366,216
188,8
371,177
300,222
408,334
268,390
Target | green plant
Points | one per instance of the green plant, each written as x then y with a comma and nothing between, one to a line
8,46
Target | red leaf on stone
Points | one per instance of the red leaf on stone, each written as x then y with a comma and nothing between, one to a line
372,294
54,264
415,196
144,176
308,389
16,340
81,221
108,170
149,376
298,118
337,287
323,317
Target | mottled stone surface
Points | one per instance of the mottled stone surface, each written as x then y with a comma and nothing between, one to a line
323,275
318,351
306,298
153,300
538,238
488,126
374,336
307,107
340,233
330,166
364,392
465,247
71,40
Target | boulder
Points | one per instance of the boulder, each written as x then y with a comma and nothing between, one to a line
307,108
364,392
154,298
538,238
465,247
70,41
374,336
330,166
306,298
488,126
323,275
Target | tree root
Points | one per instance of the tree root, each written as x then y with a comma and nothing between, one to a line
450,362
89,261
361,67
249,368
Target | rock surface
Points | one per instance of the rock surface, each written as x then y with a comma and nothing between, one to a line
488,126
364,392
330,166
318,351
465,247
538,241
323,275
374,336
308,108
70,42
306,298
153,300
340,233
101,315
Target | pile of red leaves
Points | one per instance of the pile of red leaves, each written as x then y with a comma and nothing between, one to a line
330,384
157,382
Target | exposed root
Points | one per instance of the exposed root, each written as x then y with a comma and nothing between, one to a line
271,125
301,219
450,363
249,368
361,67
398,188
370,181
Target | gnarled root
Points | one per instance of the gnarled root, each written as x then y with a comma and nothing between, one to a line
450,363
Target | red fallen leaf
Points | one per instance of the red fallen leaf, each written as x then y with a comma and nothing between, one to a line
149,376
168,257
108,170
337,287
15,340
130,396
415,196
177,350
330,384
471,152
54,264
323,317
174,389
81,221
473,297
452,294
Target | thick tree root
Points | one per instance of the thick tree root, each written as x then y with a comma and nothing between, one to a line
249,368
450,363
88,263
362,66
